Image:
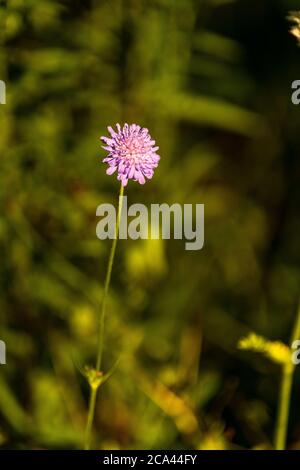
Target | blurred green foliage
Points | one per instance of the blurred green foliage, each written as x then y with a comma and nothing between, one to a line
211,80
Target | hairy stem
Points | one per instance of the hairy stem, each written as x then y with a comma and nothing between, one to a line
94,390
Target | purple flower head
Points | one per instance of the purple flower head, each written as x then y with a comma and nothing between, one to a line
132,153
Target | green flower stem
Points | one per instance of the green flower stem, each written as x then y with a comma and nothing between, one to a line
94,389
284,407
285,393
90,420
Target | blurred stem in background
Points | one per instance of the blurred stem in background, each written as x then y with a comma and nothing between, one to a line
285,392
95,378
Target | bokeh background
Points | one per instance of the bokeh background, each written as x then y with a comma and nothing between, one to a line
211,79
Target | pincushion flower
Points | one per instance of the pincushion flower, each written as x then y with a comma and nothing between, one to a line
132,153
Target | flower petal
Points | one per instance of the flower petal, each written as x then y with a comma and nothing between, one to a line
110,170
